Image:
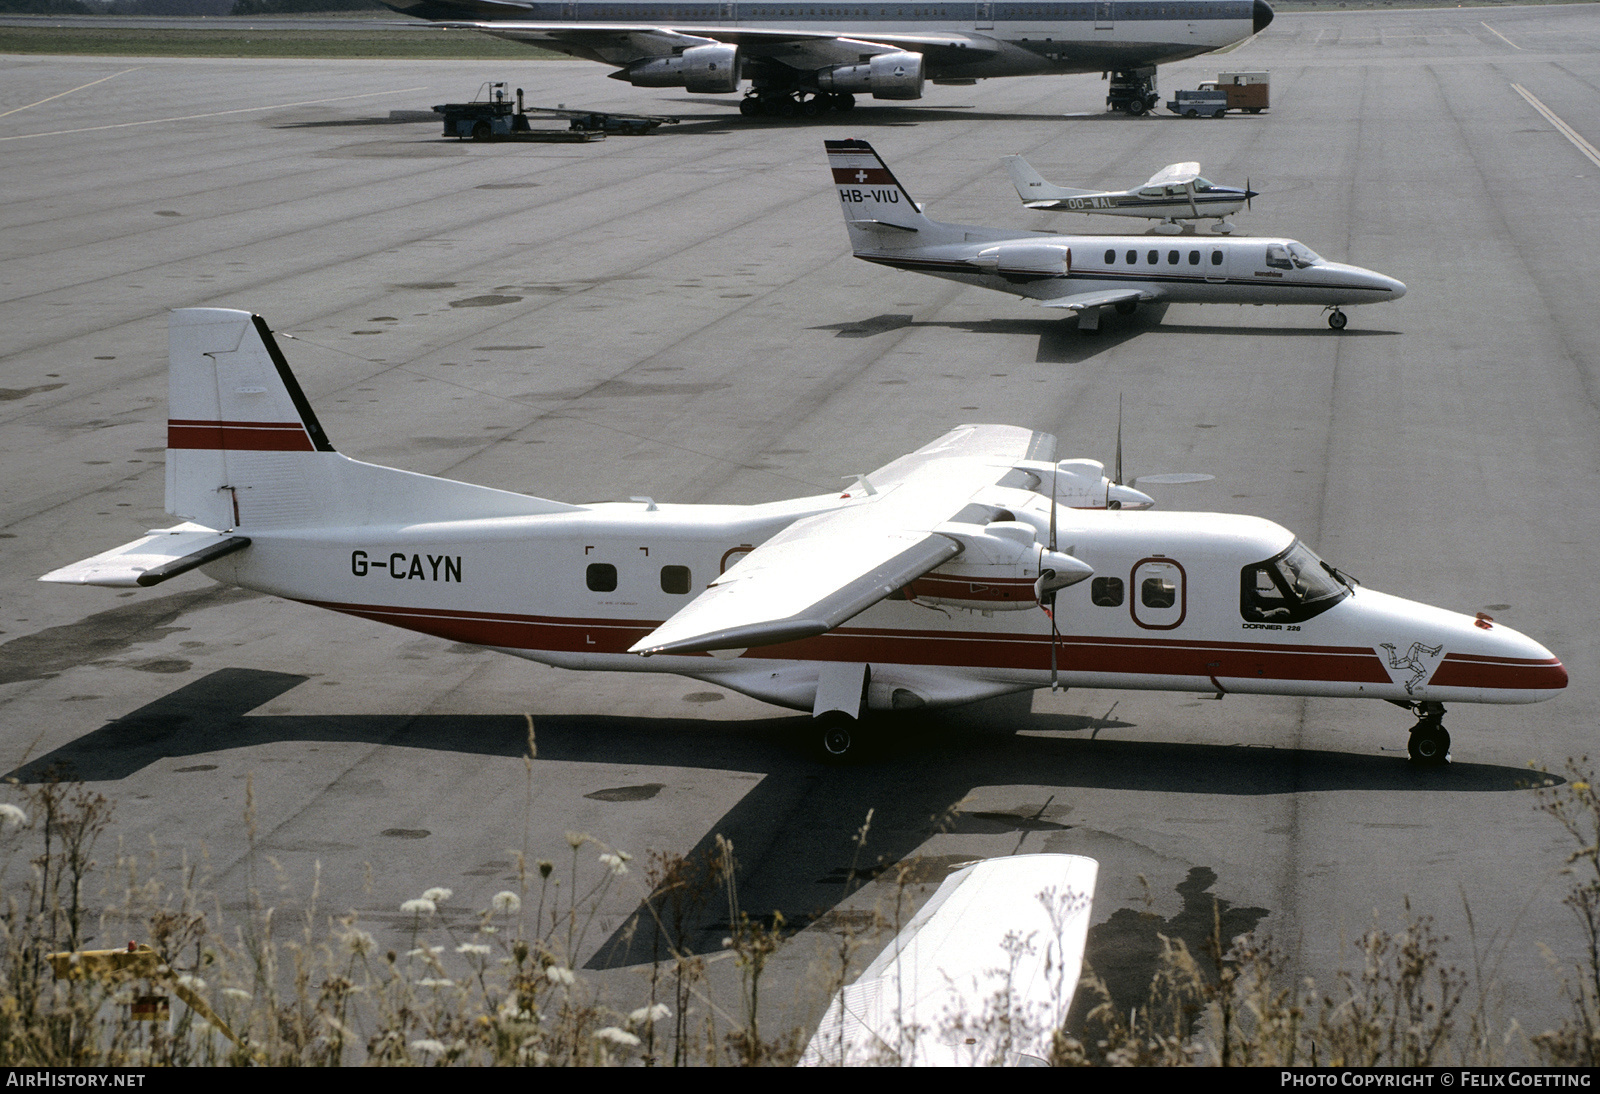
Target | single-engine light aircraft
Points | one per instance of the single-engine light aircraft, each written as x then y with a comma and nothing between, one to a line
1086,273
802,58
920,586
1175,193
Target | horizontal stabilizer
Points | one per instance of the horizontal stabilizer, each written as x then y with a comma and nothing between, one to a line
150,560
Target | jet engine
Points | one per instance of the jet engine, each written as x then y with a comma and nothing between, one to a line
1025,260
707,70
887,76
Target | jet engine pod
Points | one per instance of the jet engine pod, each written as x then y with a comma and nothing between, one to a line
1025,261
895,75
706,70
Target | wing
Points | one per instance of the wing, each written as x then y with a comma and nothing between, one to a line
620,44
1175,174
823,570
1082,300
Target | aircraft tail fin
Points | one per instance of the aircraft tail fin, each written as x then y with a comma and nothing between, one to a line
245,450
873,200
1031,186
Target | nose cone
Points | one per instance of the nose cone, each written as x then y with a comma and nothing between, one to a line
1262,15
1397,289
1126,497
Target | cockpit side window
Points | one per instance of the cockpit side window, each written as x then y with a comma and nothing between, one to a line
1289,587
1278,257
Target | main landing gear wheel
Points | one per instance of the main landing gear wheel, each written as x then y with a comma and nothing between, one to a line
839,736
1337,319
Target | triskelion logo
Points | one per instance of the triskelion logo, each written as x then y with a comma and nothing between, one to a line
1413,660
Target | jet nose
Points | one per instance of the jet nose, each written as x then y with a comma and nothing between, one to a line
1262,14
1397,289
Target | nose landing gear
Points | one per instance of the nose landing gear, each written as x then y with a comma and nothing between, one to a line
1337,319
1429,744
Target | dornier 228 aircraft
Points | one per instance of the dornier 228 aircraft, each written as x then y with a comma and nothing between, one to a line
921,586
806,56
1086,273
1175,193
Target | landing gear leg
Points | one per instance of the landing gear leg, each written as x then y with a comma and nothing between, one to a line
1429,745
1337,319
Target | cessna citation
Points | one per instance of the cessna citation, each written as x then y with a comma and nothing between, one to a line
1086,273
1174,193
920,586
805,57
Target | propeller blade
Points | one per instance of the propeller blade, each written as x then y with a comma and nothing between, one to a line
1174,477
1118,478
1248,193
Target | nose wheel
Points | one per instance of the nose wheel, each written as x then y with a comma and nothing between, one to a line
839,737
1337,319
1429,745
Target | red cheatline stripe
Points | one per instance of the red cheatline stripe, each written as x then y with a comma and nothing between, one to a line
238,436
863,176
1460,670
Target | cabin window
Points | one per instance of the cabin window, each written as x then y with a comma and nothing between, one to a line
1111,258
1289,587
1172,258
1106,592
601,577
1158,592
1216,258
675,580
1194,258
1278,257
1133,256
1153,257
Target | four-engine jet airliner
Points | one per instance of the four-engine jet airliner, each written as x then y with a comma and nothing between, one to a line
920,586
805,57
1175,193
1086,273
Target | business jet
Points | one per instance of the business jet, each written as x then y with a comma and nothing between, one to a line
803,57
1174,194
976,566
1084,274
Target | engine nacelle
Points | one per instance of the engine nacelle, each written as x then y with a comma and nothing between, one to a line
1002,568
1025,260
887,76
706,70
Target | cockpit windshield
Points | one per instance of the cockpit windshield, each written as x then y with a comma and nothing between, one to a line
1289,587
1303,256
1201,186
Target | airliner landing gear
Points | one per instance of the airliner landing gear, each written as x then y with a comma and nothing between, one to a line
1429,745
794,104
1337,319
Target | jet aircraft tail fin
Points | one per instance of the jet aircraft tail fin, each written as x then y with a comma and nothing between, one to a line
871,197
245,450
1031,186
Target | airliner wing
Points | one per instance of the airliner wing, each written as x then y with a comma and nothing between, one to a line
798,48
1104,298
823,570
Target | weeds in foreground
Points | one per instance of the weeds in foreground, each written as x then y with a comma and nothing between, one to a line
501,986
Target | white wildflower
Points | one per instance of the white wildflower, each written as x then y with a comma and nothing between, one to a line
11,817
473,948
419,906
425,951
559,974
615,863
617,1036
238,993
359,942
428,1045
576,840
437,895
506,902
436,982
651,1014
193,983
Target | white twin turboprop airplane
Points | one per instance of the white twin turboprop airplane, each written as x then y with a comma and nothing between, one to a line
1174,193
920,586
1086,273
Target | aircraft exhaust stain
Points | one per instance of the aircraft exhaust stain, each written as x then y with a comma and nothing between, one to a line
406,833
10,394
